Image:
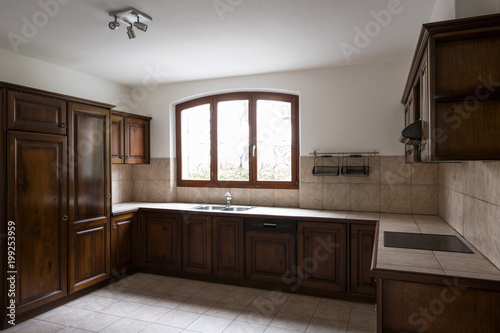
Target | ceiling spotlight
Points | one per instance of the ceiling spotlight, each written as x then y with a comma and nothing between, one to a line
141,26
130,32
114,24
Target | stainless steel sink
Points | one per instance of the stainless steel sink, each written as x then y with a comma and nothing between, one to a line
209,207
222,208
237,208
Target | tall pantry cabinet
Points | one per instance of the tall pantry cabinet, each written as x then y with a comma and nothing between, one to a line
54,197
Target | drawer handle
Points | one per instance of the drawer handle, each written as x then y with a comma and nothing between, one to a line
269,225
65,218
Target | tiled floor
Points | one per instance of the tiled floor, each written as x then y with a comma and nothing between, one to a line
153,303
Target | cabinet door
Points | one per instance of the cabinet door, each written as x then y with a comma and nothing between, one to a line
117,139
123,243
90,198
34,113
270,256
136,140
197,244
362,240
425,101
228,246
161,241
322,255
37,204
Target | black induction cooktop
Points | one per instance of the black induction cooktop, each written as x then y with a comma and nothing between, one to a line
433,242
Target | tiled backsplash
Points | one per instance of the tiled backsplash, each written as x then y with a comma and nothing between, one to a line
392,187
469,200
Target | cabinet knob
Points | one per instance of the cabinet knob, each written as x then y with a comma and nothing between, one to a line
125,157
108,195
63,125
65,218
214,225
114,226
208,225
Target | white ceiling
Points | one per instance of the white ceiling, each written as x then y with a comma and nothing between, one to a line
192,40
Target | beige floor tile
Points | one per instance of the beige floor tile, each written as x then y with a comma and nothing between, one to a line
209,324
121,308
321,325
209,295
91,302
68,316
238,299
168,301
298,308
96,322
291,321
272,329
39,326
260,316
334,310
155,328
126,325
179,319
223,310
195,305
72,330
240,327
161,286
113,291
142,296
149,313
184,290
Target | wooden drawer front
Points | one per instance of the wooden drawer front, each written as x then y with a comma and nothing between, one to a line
36,113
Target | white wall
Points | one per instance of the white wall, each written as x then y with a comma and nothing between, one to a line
354,108
467,8
443,10
34,73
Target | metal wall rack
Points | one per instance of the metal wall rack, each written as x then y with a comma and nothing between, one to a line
353,164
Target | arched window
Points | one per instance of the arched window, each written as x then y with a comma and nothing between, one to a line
247,139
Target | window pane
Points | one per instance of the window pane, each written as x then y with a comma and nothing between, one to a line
274,141
233,131
196,142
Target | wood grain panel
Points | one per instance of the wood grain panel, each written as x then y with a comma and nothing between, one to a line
228,249
197,244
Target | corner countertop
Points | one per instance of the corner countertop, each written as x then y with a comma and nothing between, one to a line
452,264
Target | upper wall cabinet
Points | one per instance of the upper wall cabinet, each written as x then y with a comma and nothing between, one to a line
34,113
452,95
130,138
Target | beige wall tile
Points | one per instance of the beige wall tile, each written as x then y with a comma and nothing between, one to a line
373,173
286,198
311,195
140,190
454,208
157,169
306,166
157,191
469,219
333,161
451,176
115,191
182,194
395,199
125,171
425,199
393,170
425,174
198,194
216,195
337,196
173,169
140,171
487,230
469,174
365,197
240,196
487,181
115,171
127,190
261,197
171,191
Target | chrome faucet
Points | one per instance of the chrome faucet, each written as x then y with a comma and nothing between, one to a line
228,199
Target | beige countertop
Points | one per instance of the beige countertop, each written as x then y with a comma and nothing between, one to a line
452,264
466,265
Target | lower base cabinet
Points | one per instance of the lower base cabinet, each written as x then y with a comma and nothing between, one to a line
123,244
322,256
362,241
161,241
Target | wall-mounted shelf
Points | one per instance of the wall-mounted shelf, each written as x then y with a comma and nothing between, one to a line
353,164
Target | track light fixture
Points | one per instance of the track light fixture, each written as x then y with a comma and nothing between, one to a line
130,32
114,24
131,17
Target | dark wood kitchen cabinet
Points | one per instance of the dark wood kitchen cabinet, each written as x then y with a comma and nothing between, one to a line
161,241
322,255
270,253
213,245
452,89
36,113
362,241
37,207
130,138
124,249
90,195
